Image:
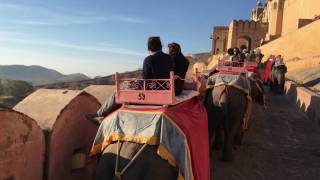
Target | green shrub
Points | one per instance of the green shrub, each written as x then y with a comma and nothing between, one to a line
18,89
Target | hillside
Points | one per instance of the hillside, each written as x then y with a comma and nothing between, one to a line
108,80
79,85
37,75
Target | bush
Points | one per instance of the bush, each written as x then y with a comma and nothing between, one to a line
1,88
17,89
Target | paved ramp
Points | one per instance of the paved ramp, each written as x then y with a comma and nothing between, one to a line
281,144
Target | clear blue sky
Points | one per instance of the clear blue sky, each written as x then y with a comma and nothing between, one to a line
99,37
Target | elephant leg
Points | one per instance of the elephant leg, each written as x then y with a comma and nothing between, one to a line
105,168
227,154
276,85
281,83
234,111
218,140
233,128
214,117
239,137
271,85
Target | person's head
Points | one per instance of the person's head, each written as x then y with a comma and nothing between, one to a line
230,51
279,58
236,51
243,47
174,48
154,44
244,51
272,57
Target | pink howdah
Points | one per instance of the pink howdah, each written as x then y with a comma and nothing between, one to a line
145,91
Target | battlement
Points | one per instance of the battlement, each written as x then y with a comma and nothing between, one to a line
220,28
247,25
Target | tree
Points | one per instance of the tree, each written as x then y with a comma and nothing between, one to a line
1,88
17,89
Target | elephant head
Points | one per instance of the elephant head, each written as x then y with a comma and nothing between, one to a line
278,78
256,89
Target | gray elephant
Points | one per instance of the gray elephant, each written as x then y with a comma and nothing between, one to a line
278,78
134,162
226,107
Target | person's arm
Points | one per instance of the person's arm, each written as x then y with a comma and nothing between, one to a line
172,65
146,70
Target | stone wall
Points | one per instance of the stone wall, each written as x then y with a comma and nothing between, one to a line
274,13
294,10
246,31
219,39
300,49
306,101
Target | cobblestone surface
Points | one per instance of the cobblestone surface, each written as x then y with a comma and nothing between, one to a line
281,143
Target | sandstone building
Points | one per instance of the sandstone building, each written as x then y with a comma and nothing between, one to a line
269,21
290,28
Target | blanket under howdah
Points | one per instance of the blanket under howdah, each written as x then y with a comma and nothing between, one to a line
237,81
180,132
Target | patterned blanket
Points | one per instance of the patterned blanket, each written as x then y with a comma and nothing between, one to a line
179,131
237,81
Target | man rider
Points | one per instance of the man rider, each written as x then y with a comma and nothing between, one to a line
155,66
158,64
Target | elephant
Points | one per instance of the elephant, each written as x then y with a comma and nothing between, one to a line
278,79
226,107
146,165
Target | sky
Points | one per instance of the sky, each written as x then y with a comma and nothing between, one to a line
100,37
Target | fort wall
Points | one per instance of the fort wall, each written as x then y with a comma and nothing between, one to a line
250,32
219,39
300,49
297,10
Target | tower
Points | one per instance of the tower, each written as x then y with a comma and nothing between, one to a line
256,14
275,12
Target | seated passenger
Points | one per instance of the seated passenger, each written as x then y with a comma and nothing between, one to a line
279,64
155,66
180,64
158,64
229,56
238,55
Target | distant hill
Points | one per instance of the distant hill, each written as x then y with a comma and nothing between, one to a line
79,85
108,80
37,75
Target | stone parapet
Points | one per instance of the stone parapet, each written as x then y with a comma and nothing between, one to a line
305,100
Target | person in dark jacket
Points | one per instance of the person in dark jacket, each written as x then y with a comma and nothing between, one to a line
158,64
180,64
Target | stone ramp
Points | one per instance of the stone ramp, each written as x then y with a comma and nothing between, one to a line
281,143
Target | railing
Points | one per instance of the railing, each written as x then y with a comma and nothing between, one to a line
231,67
145,91
250,64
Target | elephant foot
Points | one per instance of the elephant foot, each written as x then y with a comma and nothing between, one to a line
227,157
236,147
217,146
238,139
